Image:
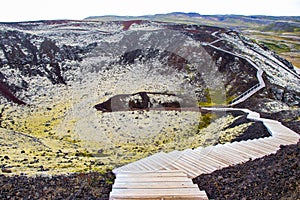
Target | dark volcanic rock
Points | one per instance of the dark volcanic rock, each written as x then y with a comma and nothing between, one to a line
142,101
165,57
254,131
5,91
271,177
294,125
28,58
74,186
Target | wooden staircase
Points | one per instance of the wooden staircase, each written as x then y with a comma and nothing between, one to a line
165,175
166,184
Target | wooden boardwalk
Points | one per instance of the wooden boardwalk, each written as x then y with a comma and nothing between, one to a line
155,185
165,175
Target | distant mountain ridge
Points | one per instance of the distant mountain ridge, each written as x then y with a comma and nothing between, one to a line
228,21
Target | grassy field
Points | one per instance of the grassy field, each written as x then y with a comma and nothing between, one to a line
286,44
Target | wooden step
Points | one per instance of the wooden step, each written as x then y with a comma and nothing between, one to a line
200,167
279,129
240,150
145,164
185,167
203,157
155,185
243,156
270,141
176,173
288,139
157,161
255,148
234,156
166,159
252,153
154,161
258,145
198,158
158,194
203,167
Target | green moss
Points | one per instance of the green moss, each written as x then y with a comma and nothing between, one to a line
230,98
205,120
109,182
213,98
38,122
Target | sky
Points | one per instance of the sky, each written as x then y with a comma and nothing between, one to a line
30,10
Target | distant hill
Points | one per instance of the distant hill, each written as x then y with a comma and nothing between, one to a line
229,21
281,27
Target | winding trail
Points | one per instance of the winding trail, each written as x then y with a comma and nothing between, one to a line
168,175
245,95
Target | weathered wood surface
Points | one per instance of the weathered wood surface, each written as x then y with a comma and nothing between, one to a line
155,185
164,175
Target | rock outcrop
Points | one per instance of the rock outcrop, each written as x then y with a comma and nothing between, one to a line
142,101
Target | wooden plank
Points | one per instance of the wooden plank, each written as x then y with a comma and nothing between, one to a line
152,179
193,169
203,157
269,142
190,157
154,185
186,166
185,197
129,167
170,157
211,162
255,149
152,175
174,155
151,171
156,192
283,142
232,155
163,162
151,159
287,139
221,159
211,159
157,161
235,154
252,152
228,159
261,146
241,156
202,167
144,165
241,150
